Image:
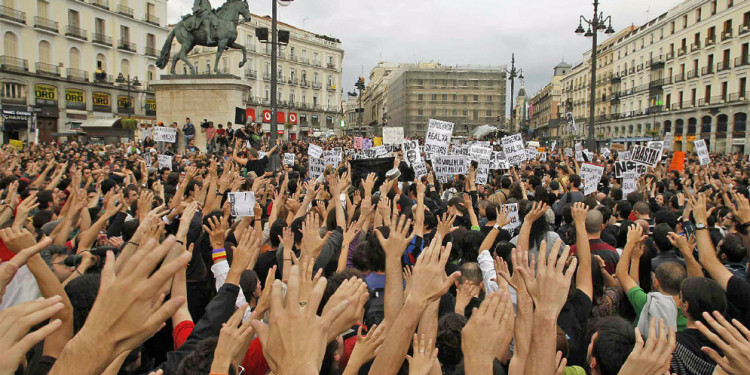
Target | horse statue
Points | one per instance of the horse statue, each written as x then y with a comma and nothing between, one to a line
195,30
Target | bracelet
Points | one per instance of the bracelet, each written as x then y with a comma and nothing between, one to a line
134,243
219,256
180,242
289,259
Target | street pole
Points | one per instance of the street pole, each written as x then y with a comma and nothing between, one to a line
359,110
274,68
592,108
512,74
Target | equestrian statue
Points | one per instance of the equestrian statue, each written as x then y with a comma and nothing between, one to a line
206,27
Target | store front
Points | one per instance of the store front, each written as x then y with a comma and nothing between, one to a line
46,99
16,121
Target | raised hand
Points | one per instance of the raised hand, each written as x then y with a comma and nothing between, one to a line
464,293
488,329
732,339
537,211
312,242
398,238
445,224
367,347
234,339
579,212
635,234
429,280
425,356
653,357
15,324
550,288
217,230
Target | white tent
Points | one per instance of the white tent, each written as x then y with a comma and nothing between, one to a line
483,130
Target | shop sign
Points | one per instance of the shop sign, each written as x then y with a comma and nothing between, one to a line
150,107
45,95
101,102
75,99
123,103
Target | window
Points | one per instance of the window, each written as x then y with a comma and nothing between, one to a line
419,111
698,15
445,97
671,28
304,98
125,67
125,34
101,62
420,97
476,98
730,3
74,59
743,87
434,97
489,98
10,44
151,74
713,7
728,26
99,29
684,21
42,8
489,113
45,52
14,92
150,10
74,18
724,89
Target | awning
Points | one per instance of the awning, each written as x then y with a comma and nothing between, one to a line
99,122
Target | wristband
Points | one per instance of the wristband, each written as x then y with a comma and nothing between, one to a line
218,254
180,242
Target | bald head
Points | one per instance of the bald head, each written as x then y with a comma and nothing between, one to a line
470,271
594,220
644,225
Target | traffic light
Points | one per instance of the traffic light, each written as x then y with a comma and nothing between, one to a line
360,83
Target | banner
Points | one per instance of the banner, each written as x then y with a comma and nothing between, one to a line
438,138
499,161
165,161
280,118
668,141
75,99
292,118
450,165
678,161
645,155
242,203
124,104
591,174
332,158
250,114
513,149
393,135
512,210
266,116
17,144
483,172
579,152
411,152
381,152
377,141
617,147
366,143
165,134
289,159
361,168
314,151
479,152
316,167
629,183
702,151
569,152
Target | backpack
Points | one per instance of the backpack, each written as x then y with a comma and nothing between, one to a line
375,308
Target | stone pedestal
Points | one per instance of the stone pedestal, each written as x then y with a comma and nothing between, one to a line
210,97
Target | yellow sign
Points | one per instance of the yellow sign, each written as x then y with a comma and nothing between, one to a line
377,141
541,149
45,95
75,99
101,101
150,107
17,144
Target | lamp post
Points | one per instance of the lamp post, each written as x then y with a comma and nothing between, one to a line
512,75
596,24
360,85
130,83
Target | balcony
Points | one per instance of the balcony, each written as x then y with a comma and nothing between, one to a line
710,41
722,66
76,32
101,39
615,79
704,102
682,51
738,96
692,74
640,67
631,70
104,4
695,46
14,64
742,61
293,81
743,29
45,24
658,83
726,35
280,79
305,60
317,63
266,76
670,55
103,78
151,51
49,69
77,75
251,74
304,83
615,98
331,87
11,14
317,85
126,45
679,78
624,73
125,10
706,70
657,63
152,19
331,66
292,57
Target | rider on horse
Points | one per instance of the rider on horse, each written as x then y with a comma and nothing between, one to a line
204,16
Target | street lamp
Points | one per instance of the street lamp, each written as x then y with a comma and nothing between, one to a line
512,75
130,83
595,25
360,85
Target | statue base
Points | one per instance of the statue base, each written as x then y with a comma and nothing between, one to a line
205,97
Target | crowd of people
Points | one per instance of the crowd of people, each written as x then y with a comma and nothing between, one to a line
112,264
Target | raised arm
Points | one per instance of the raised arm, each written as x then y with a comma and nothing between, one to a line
394,246
635,239
706,250
583,251
237,159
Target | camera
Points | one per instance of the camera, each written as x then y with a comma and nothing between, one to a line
204,124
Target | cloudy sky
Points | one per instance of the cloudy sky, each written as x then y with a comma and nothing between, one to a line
486,32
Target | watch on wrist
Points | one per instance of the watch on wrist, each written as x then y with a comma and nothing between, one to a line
496,227
699,226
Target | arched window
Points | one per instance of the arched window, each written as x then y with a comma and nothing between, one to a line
125,67
10,44
101,62
45,52
75,59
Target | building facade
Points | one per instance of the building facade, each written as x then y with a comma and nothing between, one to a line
374,99
545,106
468,96
684,72
61,59
309,77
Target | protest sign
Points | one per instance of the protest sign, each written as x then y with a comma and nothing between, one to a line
479,152
678,161
420,168
513,148
544,157
571,122
377,141
623,155
702,151
242,203
332,157
462,150
624,166
358,143
411,152
165,134
366,143
605,152
483,172
617,147
498,160
645,155
393,135
289,159
314,151
381,152
147,159
591,174
512,210
587,155
438,137
568,152
450,165
316,167
668,141
629,183
552,146
656,145
579,152
165,161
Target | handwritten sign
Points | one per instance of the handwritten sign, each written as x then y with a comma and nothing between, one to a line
242,203
591,174
450,165
314,151
358,141
483,172
316,167
332,157
513,148
512,210
165,161
411,152
289,159
438,137
420,168
629,183
702,151
393,135
367,143
479,152
165,134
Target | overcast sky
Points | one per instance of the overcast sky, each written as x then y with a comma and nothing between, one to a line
486,32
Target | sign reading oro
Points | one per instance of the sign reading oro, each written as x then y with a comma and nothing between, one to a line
75,99
45,95
102,102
